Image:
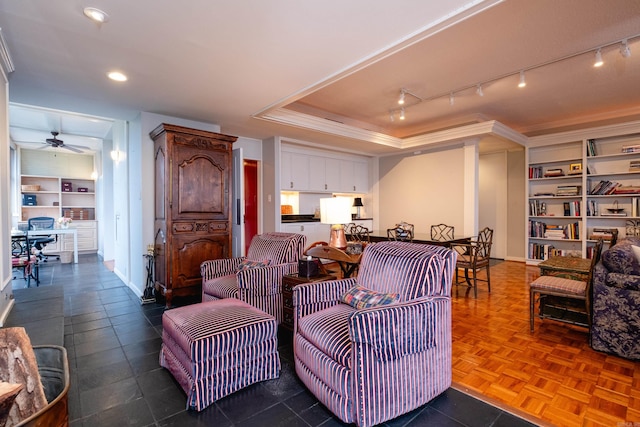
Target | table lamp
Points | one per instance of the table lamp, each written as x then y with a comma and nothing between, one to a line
337,212
357,202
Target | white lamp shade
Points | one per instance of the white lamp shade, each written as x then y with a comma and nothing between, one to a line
335,210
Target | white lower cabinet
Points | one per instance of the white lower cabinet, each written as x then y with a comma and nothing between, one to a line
315,231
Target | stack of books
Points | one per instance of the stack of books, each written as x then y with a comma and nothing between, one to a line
568,190
634,166
627,189
550,173
602,233
604,187
554,232
635,148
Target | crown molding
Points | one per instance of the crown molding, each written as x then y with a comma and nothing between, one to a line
5,56
586,133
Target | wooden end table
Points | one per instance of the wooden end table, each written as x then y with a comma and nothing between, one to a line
567,267
290,281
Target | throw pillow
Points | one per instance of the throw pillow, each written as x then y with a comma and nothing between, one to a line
360,297
247,264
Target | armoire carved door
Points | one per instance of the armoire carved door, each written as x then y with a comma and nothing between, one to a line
192,206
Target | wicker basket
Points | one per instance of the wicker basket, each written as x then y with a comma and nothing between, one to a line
30,188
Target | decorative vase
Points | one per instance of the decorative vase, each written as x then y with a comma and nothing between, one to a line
64,225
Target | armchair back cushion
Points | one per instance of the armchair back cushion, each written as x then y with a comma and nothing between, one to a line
279,248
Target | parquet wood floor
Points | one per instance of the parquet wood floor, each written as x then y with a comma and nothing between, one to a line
551,374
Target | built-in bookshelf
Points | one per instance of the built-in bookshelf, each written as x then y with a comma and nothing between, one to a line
578,189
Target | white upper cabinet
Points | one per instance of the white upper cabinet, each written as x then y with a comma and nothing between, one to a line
317,173
294,173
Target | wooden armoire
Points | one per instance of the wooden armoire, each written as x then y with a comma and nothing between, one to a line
192,206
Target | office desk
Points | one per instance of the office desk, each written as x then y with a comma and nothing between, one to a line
50,232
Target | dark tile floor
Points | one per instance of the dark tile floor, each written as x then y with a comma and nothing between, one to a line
113,342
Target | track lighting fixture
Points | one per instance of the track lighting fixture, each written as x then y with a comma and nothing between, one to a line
624,49
401,99
402,113
479,91
451,99
522,82
391,118
599,60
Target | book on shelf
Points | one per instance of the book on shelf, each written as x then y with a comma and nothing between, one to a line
635,148
549,173
591,148
568,190
571,208
592,208
602,233
544,194
634,166
535,172
627,189
635,206
604,187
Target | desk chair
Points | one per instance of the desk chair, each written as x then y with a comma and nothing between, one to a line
39,242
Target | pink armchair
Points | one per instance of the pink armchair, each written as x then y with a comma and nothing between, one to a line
368,365
257,278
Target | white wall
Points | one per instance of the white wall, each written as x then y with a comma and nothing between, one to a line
422,189
141,187
6,294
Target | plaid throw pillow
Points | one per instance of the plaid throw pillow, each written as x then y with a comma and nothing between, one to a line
360,297
247,264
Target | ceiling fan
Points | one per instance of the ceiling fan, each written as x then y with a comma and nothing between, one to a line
55,143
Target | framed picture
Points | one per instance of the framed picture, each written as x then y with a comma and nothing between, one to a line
575,168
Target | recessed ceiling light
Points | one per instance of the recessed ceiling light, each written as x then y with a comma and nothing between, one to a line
96,15
117,76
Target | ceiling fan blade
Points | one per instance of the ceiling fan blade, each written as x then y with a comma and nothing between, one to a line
42,147
75,150
84,147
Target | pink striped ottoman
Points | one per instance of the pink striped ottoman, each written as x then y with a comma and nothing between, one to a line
218,347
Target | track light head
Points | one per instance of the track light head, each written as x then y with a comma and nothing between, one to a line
391,118
625,51
402,114
599,62
522,82
401,99
451,99
479,91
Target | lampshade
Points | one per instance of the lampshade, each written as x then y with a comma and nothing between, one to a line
357,202
335,210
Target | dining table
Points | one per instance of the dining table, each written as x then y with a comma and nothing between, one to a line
424,238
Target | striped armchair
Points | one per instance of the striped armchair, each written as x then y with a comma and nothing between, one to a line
257,278
369,365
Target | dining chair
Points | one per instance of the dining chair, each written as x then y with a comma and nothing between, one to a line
442,232
566,296
475,255
401,232
357,233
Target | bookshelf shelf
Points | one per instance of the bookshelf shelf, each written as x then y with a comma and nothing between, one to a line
595,162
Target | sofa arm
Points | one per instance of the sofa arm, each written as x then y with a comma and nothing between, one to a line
628,282
397,330
219,267
264,280
311,297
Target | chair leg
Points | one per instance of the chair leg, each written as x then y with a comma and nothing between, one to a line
488,278
475,283
531,306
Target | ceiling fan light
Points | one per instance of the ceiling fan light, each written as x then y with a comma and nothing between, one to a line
599,62
96,15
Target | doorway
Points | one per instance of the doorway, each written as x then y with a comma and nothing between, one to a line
250,172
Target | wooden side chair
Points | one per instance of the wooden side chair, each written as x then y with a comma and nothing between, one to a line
401,232
568,297
475,256
442,232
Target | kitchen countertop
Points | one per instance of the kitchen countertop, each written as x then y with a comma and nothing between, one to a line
288,219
